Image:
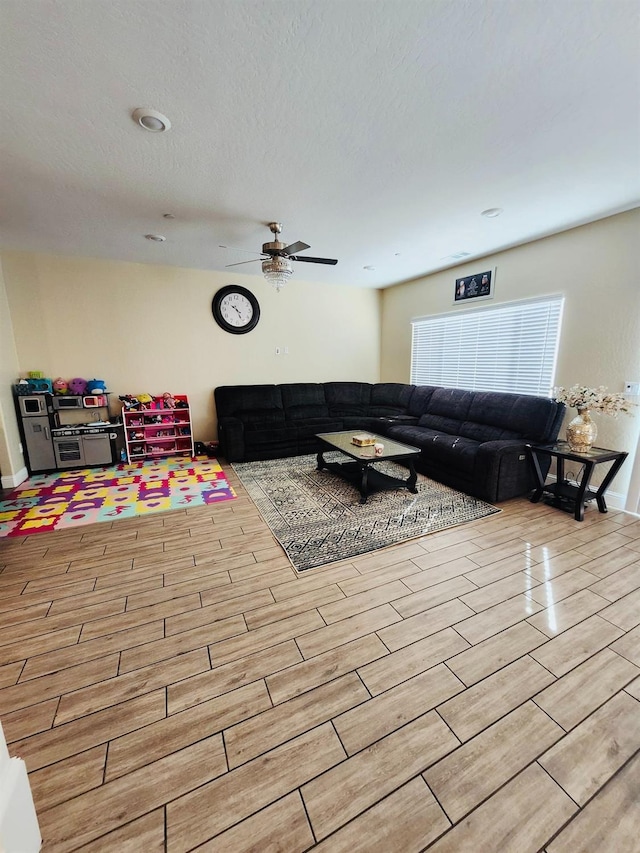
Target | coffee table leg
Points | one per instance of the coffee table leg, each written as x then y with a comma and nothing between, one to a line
321,462
413,478
363,484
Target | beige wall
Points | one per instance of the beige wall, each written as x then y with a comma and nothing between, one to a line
11,458
596,267
150,329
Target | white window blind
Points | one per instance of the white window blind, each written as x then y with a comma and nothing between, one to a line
510,347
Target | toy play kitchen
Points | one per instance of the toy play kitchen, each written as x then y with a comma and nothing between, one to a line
66,430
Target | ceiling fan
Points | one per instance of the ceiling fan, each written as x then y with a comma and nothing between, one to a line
276,258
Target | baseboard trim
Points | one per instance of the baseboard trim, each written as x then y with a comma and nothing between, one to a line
10,481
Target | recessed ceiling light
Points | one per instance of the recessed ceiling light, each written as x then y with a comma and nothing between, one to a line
368,268
491,212
151,120
155,238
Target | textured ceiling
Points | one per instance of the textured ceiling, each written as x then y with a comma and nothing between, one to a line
375,130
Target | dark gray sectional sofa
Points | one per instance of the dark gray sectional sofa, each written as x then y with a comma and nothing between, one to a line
471,440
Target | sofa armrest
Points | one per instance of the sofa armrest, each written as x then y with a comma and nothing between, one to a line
231,438
504,470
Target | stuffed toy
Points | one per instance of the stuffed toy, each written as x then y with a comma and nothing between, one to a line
168,401
145,400
41,386
77,386
60,386
96,386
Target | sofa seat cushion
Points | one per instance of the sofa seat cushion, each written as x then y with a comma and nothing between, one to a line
306,413
449,451
486,432
440,423
361,423
415,436
315,425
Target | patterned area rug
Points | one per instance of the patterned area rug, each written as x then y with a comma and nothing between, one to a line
70,498
317,517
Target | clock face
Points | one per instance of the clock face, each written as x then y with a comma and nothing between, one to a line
235,309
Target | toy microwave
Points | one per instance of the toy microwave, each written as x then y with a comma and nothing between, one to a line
67,403
93,401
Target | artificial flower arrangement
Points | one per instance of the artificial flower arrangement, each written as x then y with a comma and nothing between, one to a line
593,400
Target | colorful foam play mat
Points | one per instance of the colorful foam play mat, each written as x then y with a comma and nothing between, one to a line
70,498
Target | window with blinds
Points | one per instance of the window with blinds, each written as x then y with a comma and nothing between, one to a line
511,347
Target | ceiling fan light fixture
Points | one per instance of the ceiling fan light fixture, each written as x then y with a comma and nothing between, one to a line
277,271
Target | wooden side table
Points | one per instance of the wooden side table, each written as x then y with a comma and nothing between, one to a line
564,493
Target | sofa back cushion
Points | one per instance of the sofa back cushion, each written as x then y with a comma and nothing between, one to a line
447,410
347,398
389,398
254,405
420,397
303,400
519,415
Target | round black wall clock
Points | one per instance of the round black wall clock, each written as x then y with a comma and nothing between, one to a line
235,309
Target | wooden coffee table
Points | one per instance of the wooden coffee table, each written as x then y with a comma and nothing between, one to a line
360,470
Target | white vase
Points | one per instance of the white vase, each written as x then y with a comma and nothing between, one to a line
581,431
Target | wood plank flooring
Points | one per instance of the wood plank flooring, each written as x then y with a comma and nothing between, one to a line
173,685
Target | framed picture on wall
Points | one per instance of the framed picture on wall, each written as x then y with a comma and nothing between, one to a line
473,287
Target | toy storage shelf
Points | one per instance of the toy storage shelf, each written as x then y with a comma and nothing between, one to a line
158,431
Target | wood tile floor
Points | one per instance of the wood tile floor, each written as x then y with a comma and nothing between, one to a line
173,686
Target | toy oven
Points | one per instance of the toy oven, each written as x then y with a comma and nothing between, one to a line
75,447
67,403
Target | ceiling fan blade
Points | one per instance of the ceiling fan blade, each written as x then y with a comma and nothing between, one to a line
250,261
299,246
238,249
309,260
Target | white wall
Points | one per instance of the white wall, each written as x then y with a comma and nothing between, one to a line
596,267
150,329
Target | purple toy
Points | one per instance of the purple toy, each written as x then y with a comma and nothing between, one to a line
78,386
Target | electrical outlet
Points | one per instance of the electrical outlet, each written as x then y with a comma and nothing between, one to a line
286,350
632,388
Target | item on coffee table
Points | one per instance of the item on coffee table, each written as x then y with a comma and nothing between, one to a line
378,448
363,439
